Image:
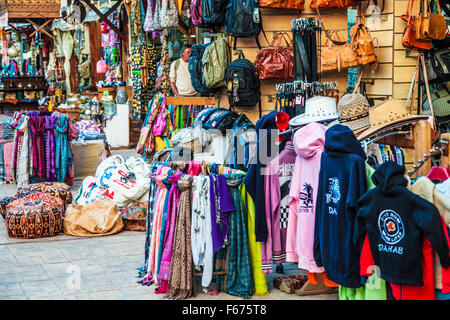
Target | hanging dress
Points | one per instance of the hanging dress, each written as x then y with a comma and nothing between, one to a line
37,127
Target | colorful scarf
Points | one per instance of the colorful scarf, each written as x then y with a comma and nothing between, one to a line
164,269
239,273
181,267
37,126
15,123
50,124
63,157
22,158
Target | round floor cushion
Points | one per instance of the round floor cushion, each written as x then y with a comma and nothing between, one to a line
135,216
56,189
36,215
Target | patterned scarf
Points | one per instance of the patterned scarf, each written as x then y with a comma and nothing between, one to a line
181,266
2,163
37,126
63,157
15,123
174,199
22,159
50,124
239,273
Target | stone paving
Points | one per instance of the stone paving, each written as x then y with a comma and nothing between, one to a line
48,268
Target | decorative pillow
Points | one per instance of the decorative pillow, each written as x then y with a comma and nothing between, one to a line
56,189
135,216
36,215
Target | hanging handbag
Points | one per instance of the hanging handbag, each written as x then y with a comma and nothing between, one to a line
276,62
284,4
430,26
334,3
156,23
169,14
336,57
409,39
362,43
437,65
440,99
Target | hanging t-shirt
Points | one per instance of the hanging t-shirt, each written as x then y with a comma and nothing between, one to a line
182,78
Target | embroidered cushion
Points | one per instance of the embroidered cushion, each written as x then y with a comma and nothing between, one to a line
56,189
135,216
36,215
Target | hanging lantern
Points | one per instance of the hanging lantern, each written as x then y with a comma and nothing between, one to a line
13,52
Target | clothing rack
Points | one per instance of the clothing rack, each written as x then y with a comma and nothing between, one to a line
433,152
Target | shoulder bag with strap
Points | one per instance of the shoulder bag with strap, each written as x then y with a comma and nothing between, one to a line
362,42
430,26
409,39
276,62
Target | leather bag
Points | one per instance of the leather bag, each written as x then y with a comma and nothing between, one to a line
276,62
430,26
336,57
335,3
284,4
362,43
409,39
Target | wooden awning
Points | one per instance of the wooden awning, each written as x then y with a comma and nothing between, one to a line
36,9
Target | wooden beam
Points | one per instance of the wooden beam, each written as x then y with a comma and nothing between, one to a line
40,27
113,8
36,25
422,144
103,18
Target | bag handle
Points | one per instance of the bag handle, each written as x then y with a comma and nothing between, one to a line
427,88
339,43
358,83
412,88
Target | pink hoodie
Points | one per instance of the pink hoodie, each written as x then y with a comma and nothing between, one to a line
309,144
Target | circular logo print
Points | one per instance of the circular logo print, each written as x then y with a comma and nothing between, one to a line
391,227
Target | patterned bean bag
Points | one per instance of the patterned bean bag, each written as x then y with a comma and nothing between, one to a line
7,200
56,189
36,215
135,216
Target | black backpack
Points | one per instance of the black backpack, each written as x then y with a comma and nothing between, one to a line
195,67
243,85
221,119
240,20
213,12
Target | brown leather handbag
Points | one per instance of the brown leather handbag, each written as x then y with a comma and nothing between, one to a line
430,26
362,43
335,3
276,62
409,39
284,4
336,57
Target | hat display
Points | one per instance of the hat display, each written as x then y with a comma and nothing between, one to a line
388,113
317,109
353,111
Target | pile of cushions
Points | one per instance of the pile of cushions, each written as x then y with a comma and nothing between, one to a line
36,215
55,189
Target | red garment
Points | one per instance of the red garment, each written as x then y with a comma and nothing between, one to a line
445,272
439,173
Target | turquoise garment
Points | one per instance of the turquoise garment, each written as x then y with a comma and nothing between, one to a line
63,157
442,296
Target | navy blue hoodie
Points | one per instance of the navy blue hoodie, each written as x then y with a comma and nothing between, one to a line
342,181
395,220
254,179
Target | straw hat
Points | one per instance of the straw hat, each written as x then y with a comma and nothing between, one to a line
388,113
317,109
354,112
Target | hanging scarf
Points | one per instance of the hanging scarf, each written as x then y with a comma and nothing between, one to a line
152,196
239,280
50,124
63,157
15,123
37,126
221,205
164,269
154,245
2,164
23,158
181,268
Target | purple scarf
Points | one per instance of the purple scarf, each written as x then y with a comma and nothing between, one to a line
220,194
38,146
16,121
174,199
50,144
